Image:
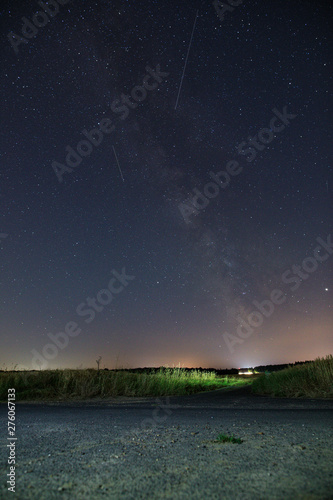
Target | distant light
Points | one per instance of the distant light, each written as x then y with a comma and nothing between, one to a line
242,371
326,289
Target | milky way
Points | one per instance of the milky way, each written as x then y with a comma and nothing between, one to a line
187,146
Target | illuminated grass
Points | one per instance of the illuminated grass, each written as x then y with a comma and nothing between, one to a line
90,383
311,380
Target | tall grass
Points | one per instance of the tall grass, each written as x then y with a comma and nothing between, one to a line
311,380
90,383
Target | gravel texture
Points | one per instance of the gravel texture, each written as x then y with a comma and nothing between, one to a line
151,448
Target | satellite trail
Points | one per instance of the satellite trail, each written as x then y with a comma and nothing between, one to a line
118,164
188,51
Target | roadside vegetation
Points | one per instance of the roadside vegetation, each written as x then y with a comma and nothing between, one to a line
90,383
311,380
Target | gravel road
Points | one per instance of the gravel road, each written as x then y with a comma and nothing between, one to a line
131,448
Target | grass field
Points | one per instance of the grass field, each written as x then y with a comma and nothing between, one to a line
90,383
311,380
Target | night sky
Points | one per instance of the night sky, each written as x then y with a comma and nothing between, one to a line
202,195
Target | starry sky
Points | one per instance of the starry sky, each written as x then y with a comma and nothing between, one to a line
166,174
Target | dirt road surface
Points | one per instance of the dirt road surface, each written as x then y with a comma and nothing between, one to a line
166,448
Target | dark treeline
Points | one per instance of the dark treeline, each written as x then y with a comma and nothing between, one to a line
275,368
231,371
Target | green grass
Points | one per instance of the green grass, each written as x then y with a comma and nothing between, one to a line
90,383
223,438
311,380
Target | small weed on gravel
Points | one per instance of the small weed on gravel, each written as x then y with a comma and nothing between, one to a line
223,438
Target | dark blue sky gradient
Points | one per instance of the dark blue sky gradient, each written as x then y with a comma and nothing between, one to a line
196,277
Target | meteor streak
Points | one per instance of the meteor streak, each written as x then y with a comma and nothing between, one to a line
188,51
118,164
